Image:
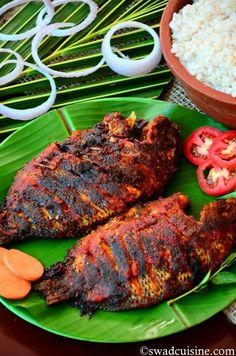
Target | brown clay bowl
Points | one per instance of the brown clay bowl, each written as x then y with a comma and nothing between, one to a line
220,106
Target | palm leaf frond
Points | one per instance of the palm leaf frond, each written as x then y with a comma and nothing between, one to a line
81,51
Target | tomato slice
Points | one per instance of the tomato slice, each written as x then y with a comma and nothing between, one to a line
196,147
223,150
215,180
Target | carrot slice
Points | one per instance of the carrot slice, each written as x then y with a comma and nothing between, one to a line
23,265
11,286
2,253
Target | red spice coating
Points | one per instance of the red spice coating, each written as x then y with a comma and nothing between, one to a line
73,186
151,253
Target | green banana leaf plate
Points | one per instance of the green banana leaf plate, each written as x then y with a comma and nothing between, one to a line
124,326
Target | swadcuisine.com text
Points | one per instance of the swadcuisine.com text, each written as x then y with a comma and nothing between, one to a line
187,351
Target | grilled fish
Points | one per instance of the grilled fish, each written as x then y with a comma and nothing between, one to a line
74,185
151,253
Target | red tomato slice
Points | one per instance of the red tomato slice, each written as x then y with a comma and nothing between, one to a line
223,150
196,147
215,180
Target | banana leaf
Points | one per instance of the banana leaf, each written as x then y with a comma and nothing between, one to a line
81,51
126,326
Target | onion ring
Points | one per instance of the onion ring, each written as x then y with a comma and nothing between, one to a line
89,19
33,31
16,71
35,46
28,114
126,66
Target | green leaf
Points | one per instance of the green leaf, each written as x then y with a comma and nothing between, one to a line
224,278
231,195
230,260
126,326
80,51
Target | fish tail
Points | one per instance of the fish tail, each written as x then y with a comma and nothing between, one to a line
219,213
54,285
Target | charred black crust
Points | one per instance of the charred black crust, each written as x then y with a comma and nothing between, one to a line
77,184
152,253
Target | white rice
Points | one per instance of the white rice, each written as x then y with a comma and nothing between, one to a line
204,40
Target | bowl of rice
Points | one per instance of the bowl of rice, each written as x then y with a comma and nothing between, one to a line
199,45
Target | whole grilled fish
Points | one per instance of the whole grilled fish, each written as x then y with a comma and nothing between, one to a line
151,253
74,185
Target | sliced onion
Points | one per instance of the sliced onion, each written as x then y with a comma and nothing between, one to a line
93,9
27,34
126,66
50,12
47,30
28,114
16,71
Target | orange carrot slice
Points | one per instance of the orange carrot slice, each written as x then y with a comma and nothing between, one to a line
2,253
11,286
23,265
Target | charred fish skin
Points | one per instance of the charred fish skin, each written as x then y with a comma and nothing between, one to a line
73,186
151,253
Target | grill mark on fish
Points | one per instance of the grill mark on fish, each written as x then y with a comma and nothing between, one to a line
171,264
45,200
82,168
90,273
168,257
25,224
109,276
148,245
71,198
97,197
133,269
89,172
126,252
98,178
96,173
36,216
119,256
142,248
137,257
109,254
103,178
154,283
186,222
138,290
